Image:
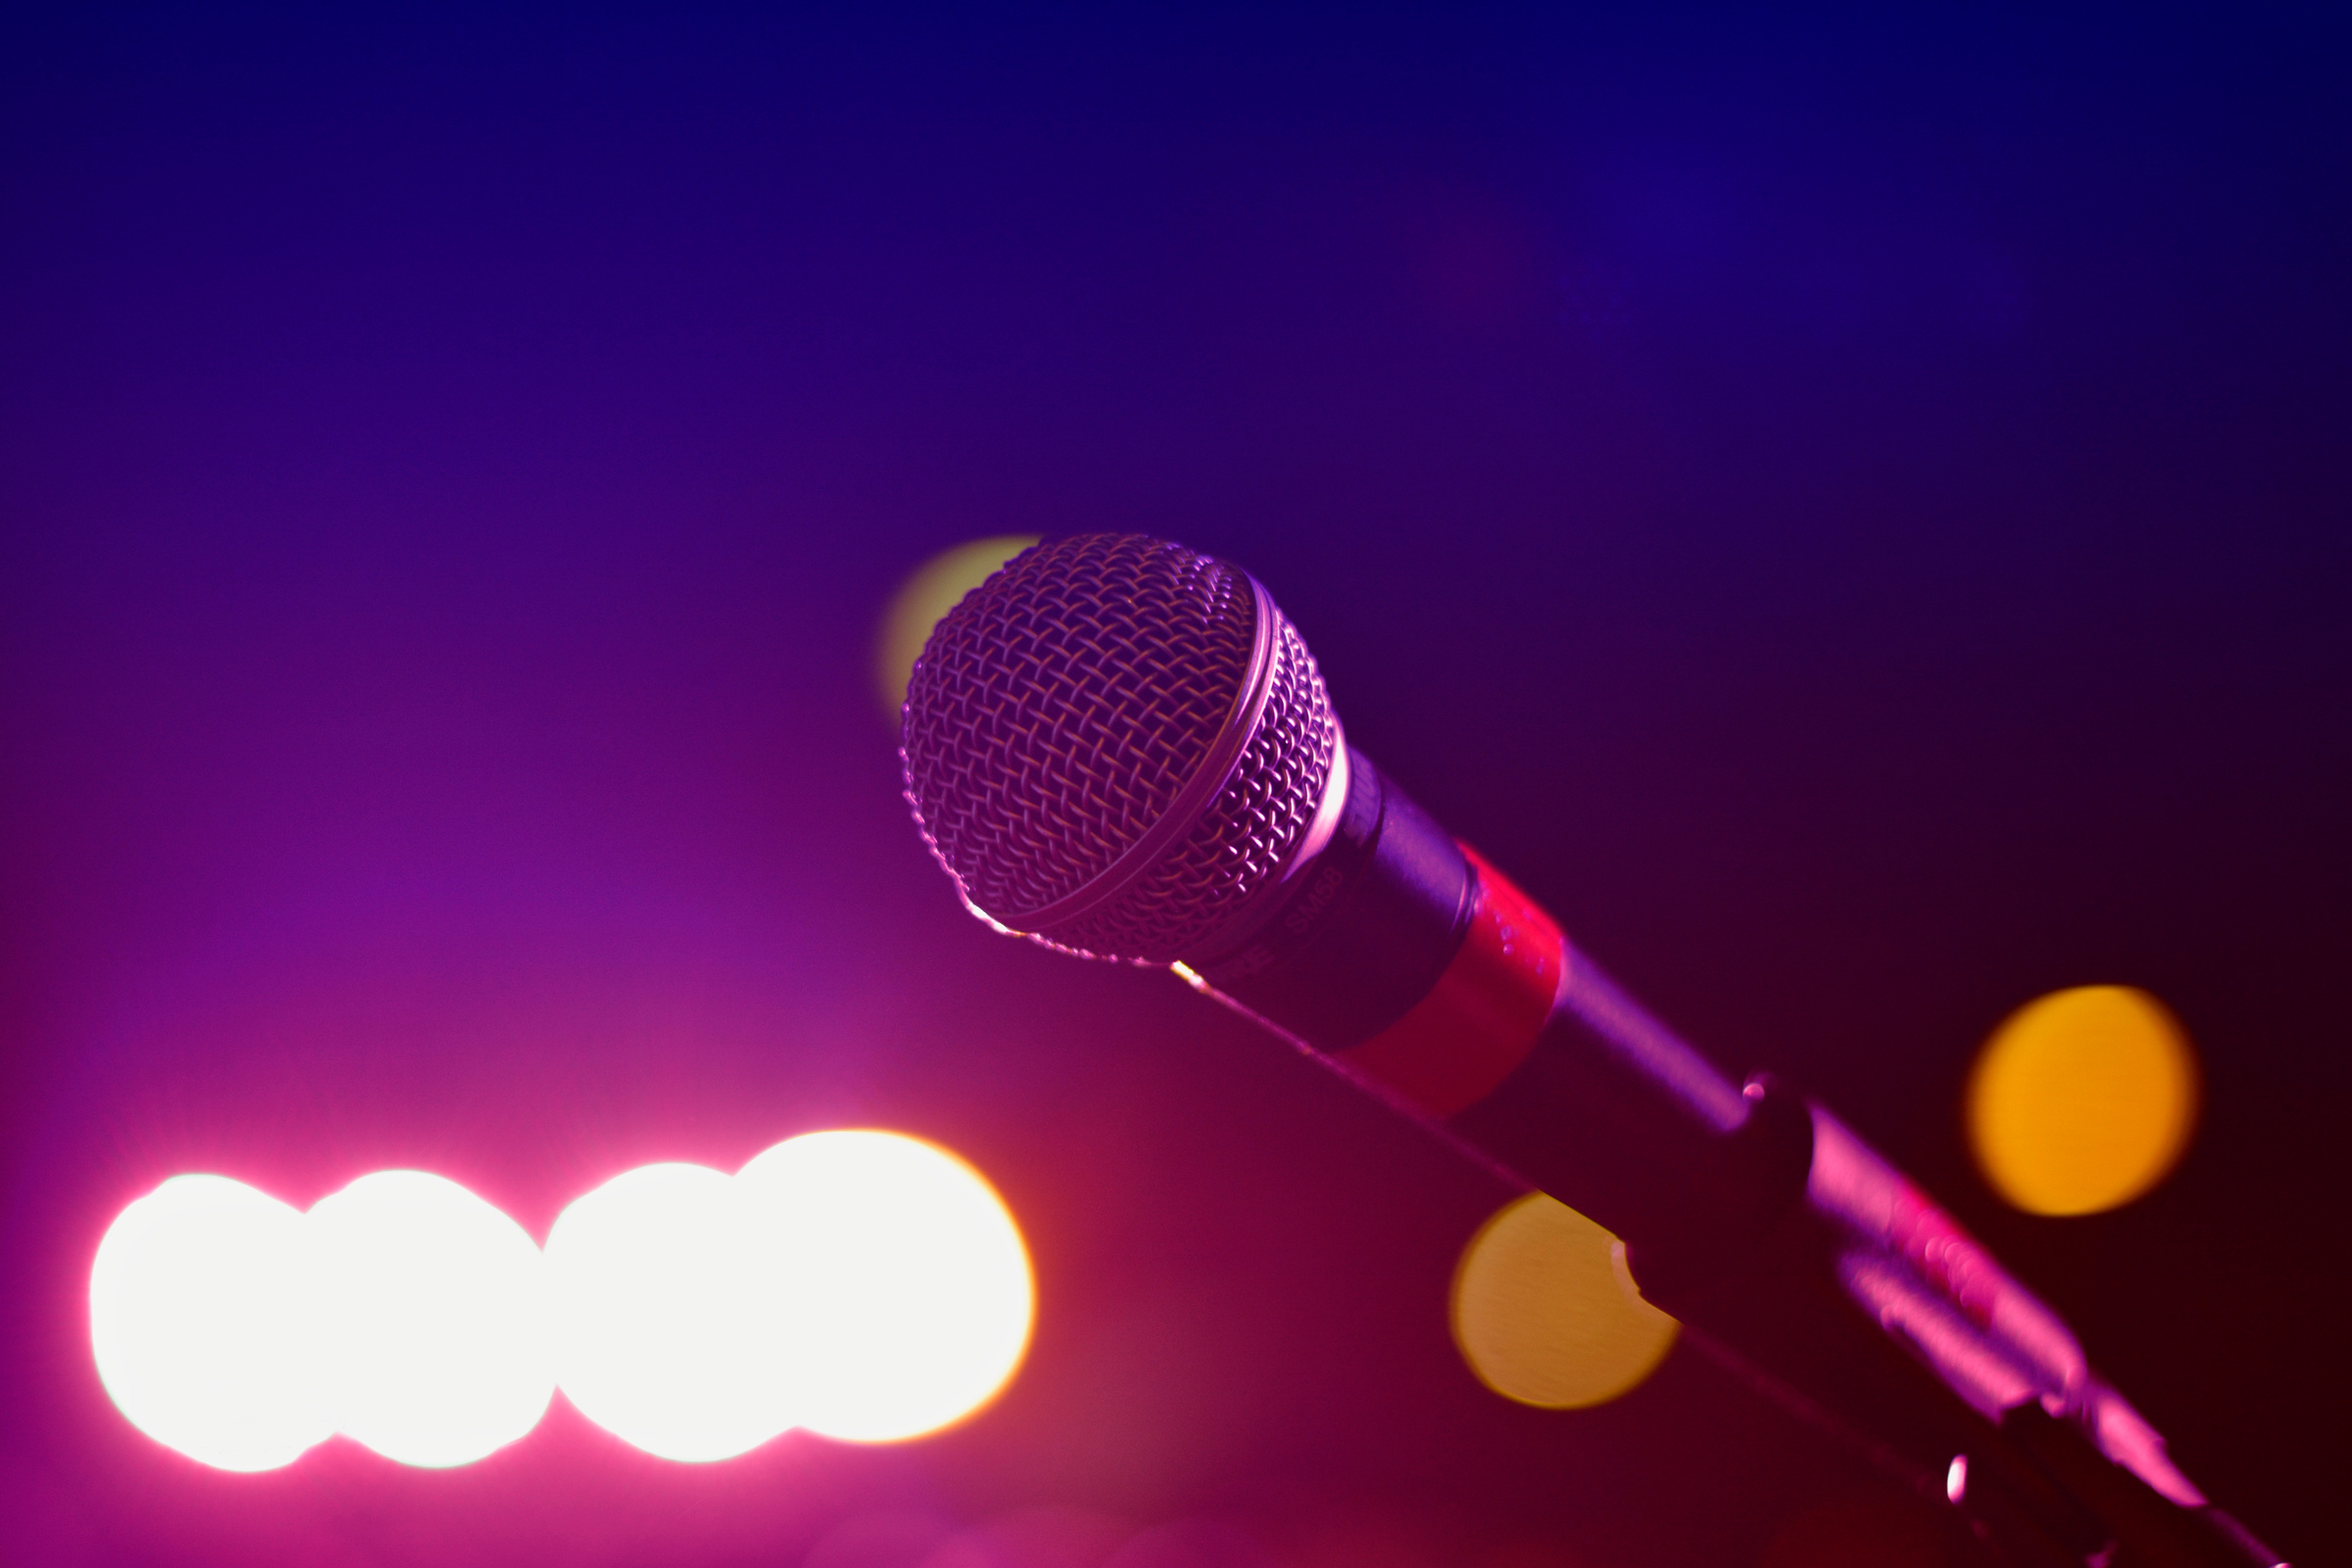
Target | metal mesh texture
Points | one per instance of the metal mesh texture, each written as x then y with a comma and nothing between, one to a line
1056,712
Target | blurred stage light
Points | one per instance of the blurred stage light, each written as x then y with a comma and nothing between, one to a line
865,1285
669,1314
203,1320
912,1298
433,1315
934,589
1544,1312
2083,1099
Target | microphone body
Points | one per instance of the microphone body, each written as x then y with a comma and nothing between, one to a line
1277,870
1415,968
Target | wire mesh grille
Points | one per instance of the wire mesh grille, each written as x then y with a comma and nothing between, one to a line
1058,711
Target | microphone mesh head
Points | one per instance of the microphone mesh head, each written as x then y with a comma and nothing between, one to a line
1058,711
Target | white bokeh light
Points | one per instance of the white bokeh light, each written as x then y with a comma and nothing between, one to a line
201,1322
433,1315
667,1316
867,1285
908,1297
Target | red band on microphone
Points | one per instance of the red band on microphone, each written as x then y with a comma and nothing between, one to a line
1482,1017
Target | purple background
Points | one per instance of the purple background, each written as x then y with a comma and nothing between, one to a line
1851,512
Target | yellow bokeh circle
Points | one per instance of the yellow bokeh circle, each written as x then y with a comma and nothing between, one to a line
2083,1099
1544,1312
934,588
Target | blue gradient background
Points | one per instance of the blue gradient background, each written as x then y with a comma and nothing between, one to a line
1852,512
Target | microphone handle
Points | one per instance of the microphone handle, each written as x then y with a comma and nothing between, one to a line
1403,960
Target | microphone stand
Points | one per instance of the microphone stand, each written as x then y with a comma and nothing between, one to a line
1760,1220
1805,1265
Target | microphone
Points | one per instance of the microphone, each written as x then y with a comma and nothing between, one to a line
1120,749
